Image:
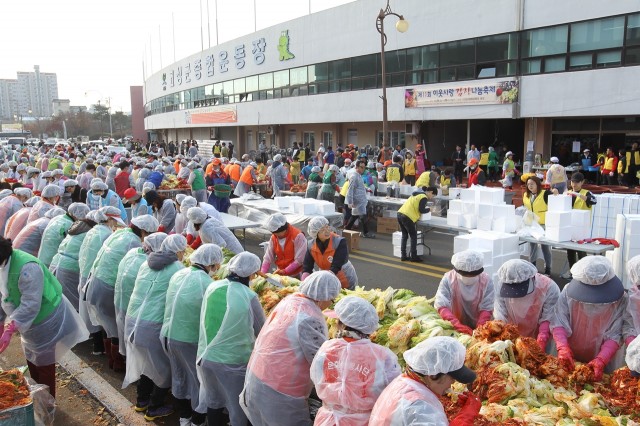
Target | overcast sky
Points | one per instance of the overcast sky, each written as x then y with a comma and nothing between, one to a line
97,46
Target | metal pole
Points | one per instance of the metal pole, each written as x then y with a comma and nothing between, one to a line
385,120
255,17
201,35
216,5
208,25
160,42
173,26
110,125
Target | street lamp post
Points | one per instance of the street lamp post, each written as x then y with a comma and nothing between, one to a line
402,26
108,110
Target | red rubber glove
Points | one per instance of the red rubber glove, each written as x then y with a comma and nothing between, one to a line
543,335
279,272
607,351
5,339
196,243
469,411
564,351
160,228
446,314
484,317
189,239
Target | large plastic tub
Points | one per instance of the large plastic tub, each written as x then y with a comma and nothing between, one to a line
18,416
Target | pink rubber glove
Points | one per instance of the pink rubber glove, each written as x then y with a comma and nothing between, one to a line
484,317
265,267
564,351
629,339
446,314
607,351
304,276
291,268
5,339
543,335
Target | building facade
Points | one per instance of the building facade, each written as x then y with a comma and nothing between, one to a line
529,75
30,94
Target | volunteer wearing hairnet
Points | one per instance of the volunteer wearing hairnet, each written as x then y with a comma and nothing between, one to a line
30,238
632,316
187,227
57,229
126,279
526,299
589,316
11,205
329,185
286,248
230,319
49,198
247,179
350,372
67,189
465,294
219,200
18,220
181,217
100,286
278,174
196,180
164,210
633,357
278,371
138,204
65,265
108,197
329,252
211,230
180,328
33,304
433,365
147,360
314,183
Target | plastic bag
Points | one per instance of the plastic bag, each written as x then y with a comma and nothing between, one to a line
44,405
530,226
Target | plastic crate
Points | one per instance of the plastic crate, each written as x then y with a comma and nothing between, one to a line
18,416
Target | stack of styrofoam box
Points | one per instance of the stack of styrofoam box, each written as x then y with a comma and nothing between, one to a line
407,189
558,218
483,208
606,210
580,224
396,239
284,203
324,207
628,236
497,247
390,213
304,206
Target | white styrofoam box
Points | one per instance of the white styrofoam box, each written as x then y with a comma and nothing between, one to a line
325,207
488,257
469,221
455,206
467,194
485,211
286,202
407,189
580,217
305,206
398,253
558,219
462,242
486,195
498,261
504,210
558,234
633,224
396,237
559,203
609,255
505,224
497,242
390,213
425,216
484,223
454,193
630,253
469,207
580,233
510,243
382,187
454,218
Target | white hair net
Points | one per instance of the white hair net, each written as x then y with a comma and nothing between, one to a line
78,210
334,168
633,355
21,167
174,243
187,203
70,182
467,260
56,211
321,286
46,174
148,186
593,270
315,225
316,169
191,165
357,313
207,254
436,355
5,193
98,185
275,222
91,215
516,271
110,211
32,201
633,269
277,157
153,242
23,192
244,264
196,215
50,191
180,198
57,172
158,168
146,222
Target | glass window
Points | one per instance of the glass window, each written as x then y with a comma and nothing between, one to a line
465,73
395,61
633,30
318,72
545,41
309,138
632,56
425,57
298,76
497,47
457,52
506,69
208,91
227,87
448,74
327,138
339,69
609,59
581,61
430,76
600,34
363,66
281,78
266,81
239,85
486,71
555,64
217,89
251,83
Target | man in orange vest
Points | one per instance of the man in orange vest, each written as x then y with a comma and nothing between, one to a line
234,172
247,179
286,249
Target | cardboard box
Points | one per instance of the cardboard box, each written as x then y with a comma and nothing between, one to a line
560,203
352,238
558,234
387,225
558,219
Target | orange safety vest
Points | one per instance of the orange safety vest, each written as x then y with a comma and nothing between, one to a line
176,165
285,256
324,260
209,169
234,172
227,168
246,177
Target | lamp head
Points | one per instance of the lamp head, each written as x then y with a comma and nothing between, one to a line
402,25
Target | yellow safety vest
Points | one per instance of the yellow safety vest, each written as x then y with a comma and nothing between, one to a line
424,179
393,174
580,204
344,189
621,165
484,159
411,207
301,155
410,167
539,207
636,160
445,182
608,163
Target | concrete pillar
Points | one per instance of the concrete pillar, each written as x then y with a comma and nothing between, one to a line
538,130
